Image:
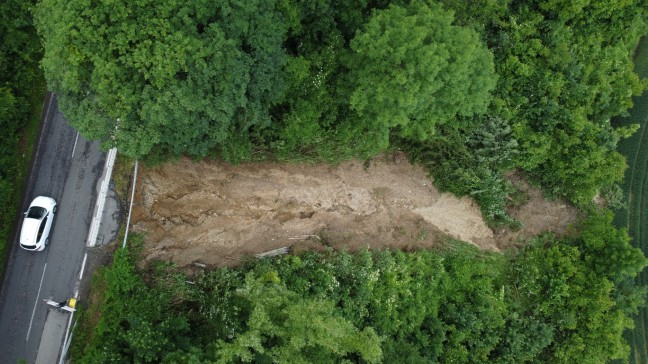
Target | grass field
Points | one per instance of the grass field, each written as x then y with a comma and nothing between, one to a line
635,187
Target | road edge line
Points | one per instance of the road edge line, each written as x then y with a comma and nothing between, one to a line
101,199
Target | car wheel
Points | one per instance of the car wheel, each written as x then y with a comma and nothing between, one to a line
54,209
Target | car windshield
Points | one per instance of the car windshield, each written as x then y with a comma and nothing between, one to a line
36,212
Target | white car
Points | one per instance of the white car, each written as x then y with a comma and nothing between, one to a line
37,224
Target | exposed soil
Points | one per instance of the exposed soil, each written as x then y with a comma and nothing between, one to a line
218,214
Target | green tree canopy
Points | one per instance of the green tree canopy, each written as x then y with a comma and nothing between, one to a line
565,70
412,69
283,327
173,77
551,302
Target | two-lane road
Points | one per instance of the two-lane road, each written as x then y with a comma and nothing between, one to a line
67,168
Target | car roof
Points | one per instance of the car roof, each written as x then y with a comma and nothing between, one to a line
29,231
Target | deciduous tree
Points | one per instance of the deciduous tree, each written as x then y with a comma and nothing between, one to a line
411,70
169,77
283,327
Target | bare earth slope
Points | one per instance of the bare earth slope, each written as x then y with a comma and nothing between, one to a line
216,213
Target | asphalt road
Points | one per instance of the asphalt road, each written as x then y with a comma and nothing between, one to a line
67,168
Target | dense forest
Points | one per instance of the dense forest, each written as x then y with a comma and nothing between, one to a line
469,89
555,301
22,88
